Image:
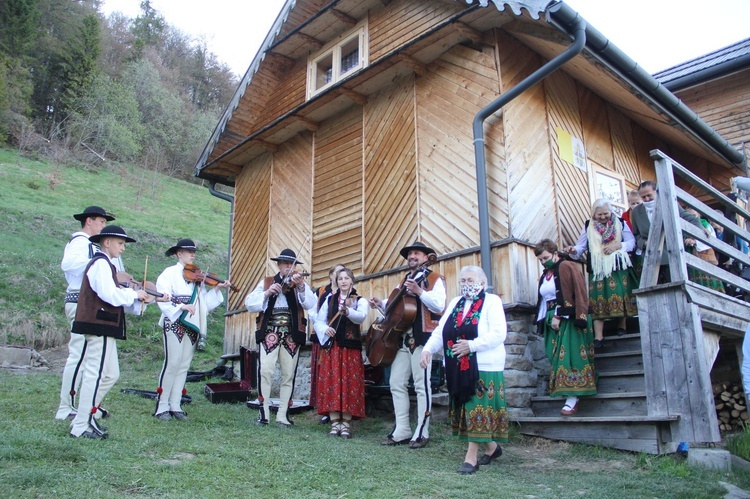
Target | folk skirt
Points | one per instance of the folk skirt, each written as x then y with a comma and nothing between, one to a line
612,297
570,351
484,418
341,381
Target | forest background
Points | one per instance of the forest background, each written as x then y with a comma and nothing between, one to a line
79,87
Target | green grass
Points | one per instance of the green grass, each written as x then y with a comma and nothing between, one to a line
739,443
220,452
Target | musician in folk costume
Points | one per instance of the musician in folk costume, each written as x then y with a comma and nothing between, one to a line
281,330
76,256
100,318
341,383
183,322
428,288
323,293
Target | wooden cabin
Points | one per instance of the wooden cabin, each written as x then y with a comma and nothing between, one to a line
350,137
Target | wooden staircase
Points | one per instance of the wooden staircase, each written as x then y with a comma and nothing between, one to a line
617,416
655,386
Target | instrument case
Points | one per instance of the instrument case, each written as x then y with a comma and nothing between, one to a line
236,391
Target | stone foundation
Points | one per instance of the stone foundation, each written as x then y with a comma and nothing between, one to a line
526,364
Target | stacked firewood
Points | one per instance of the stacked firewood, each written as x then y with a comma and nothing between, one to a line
731,406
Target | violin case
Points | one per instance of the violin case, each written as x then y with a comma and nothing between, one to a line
236,391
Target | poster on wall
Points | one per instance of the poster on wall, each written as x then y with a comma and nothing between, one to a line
571,149
611,186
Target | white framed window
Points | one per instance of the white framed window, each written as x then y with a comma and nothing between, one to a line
609,185
339,59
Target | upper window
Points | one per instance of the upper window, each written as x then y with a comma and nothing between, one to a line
337,60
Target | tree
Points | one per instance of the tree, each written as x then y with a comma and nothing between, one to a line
18,26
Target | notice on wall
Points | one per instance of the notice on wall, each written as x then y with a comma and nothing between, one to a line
571,149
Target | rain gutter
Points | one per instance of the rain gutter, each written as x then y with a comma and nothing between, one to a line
225,197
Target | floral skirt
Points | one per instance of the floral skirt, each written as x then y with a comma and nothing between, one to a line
612,297
699,277
570,351
341,381
484,418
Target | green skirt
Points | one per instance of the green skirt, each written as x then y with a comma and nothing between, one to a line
700,277
570,351
612,297
484,418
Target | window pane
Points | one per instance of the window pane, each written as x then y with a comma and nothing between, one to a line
324,71
350,55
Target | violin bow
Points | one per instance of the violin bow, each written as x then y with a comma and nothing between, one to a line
143,285
337,316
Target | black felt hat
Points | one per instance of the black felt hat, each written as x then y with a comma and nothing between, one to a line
287,255
416,246
111,231
186,244
93,211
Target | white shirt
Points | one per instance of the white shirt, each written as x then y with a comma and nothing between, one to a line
171,281
433,299
100,280
491,331
357,315
76,256
257,302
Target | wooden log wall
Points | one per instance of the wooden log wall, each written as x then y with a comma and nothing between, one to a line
390,190
400,21
455,87
337,197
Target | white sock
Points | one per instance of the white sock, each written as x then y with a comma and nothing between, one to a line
571,402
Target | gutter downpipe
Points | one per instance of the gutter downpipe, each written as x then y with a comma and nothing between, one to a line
578,32
225,197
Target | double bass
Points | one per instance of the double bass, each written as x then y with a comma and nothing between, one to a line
383,338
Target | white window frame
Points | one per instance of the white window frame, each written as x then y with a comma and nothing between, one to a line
333,49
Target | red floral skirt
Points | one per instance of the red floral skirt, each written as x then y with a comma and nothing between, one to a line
341,381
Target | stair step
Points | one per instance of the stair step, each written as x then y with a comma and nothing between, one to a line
599,405
618,361
633,433
621,381
616,343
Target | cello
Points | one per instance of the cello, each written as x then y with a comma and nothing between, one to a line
384,336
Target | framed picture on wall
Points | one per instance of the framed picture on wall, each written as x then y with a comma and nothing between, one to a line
610,185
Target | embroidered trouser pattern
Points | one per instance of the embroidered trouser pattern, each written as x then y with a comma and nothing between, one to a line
277,346
178,354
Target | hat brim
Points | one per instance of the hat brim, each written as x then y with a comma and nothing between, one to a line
174,249
83,216
286,259
99,237
424,249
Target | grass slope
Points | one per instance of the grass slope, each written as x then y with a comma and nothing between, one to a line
220,452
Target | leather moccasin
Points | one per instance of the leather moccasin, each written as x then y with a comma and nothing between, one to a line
419,443
179,415
468,469
486,459
390,442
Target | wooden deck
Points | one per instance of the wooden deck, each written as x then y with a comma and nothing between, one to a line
655,386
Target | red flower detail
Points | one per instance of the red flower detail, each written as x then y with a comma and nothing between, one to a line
184,391
464,363
159,390
474,321
94,409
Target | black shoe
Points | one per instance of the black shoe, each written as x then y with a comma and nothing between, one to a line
468,469
390,442
325,420
104,413
486,459
621,332
179,415
164,416
261,422
598,343
419,443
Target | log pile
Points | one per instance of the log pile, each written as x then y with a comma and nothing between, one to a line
731,406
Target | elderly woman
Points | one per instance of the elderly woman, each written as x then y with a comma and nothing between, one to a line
612,278
562,318
341,376
471,334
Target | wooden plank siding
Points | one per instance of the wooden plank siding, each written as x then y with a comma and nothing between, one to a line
337,198
532,209
288,93
571,185
623,147
403,20
250,228
290,219
724,104
596,132
455,88
390,192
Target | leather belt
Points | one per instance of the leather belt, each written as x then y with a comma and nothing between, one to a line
71,297
280,317
181,298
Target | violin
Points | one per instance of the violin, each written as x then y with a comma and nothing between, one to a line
127,281
192,273
286,282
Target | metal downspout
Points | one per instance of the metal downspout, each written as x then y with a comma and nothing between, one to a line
579,41
225,197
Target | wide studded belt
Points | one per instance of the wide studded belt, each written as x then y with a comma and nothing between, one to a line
280,317
181,298
71,297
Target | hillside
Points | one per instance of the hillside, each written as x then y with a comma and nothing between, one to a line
37,201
